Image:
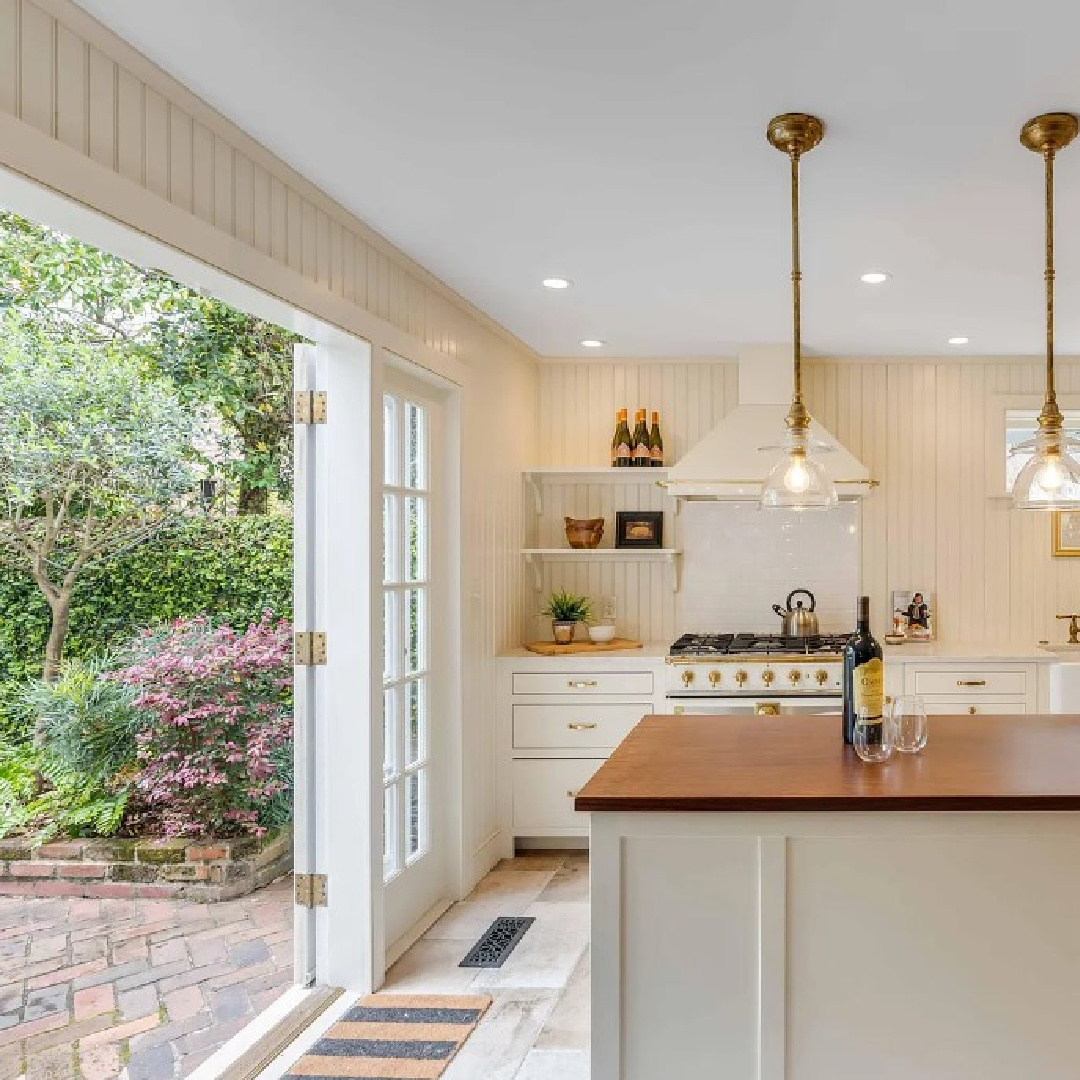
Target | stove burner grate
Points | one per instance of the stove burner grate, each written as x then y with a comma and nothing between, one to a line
758,644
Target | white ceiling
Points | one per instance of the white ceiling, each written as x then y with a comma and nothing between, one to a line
621,143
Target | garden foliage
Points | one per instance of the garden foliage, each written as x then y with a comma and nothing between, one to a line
217,706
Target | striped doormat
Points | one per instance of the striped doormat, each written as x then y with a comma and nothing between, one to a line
393,1037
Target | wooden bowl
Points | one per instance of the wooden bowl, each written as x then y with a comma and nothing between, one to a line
584,532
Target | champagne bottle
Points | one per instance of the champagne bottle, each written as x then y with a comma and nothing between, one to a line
623,452
642,454
863,675
656,443
615,441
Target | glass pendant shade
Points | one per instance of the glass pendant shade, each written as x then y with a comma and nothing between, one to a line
798,481
1051,479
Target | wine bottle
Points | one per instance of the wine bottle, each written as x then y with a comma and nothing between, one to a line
656,443
623,453
642,454
863,674
615,441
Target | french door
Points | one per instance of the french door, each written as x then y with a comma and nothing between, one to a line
416,626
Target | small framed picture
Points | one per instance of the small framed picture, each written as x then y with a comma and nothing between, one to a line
912,615
639,529
1065,529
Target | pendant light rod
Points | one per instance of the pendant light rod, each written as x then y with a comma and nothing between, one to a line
796,134
1046,135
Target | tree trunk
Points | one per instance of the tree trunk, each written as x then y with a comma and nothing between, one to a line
54,649
252,500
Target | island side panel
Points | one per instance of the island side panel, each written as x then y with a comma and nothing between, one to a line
753,945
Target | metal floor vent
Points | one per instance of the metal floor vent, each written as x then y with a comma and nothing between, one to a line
497,942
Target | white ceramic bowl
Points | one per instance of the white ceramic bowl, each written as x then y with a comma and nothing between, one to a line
600,633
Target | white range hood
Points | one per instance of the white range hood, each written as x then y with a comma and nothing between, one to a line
728,464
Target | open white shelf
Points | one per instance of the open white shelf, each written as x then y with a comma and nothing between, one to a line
587,474
536,557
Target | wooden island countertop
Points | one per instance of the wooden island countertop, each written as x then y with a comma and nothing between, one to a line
796,763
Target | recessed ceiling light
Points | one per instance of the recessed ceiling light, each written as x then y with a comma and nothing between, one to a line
556,283
958,341
593,343
875,277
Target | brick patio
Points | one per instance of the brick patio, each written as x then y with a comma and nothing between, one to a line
135,989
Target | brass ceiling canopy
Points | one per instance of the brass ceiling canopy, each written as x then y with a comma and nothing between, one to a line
795,132
1051,479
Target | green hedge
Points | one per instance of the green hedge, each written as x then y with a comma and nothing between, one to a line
232,569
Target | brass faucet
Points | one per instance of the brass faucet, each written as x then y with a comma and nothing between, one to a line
1074,629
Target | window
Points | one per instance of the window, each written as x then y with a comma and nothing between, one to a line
1021,425
406,607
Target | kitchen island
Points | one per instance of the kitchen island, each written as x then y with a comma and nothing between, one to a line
767,907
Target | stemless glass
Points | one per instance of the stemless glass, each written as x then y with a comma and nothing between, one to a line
909,723
873,737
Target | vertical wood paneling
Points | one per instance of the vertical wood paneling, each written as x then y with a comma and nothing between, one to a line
181,162
130,127
158,144
243,199
71,97
202,172
37,90
925,429
10,54
261,214
224,188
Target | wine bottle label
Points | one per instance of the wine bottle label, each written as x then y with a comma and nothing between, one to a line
622,450
868,684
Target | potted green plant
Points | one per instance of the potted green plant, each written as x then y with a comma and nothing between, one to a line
566,610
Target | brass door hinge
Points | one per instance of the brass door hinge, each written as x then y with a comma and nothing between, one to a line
309,407
310,890
309,648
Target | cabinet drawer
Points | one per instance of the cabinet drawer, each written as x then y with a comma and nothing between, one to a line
569,726
577,682
544,791
972,682
978,707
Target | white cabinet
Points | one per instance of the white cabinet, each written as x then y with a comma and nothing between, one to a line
951,687
560,718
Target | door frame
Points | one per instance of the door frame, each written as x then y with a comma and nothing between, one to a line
351,362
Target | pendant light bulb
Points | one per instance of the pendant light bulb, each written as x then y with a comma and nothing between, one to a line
1050,480
797,481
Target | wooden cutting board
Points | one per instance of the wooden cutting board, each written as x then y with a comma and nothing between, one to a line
549,648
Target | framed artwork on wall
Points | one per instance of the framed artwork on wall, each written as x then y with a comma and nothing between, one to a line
1065,530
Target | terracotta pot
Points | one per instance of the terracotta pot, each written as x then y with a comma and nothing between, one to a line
584,532
563,632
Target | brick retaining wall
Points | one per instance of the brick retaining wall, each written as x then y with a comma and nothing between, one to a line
205,870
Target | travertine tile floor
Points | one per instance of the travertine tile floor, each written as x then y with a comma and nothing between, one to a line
538,1025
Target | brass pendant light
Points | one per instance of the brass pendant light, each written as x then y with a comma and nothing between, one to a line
1051,479
797,481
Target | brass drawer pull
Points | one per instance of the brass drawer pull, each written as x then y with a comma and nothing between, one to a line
970,682
581,727
972,710
766,708
571,794
581,684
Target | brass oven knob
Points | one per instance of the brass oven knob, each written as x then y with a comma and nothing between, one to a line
740,677
767,677
687,677
822,676
714,678
794,677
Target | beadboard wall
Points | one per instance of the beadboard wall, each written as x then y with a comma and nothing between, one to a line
87,116
926,429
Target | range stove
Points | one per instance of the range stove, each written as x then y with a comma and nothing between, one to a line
732,673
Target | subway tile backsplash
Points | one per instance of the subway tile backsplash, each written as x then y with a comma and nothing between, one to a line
738,561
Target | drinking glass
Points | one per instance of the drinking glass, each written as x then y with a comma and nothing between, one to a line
909,723
873,737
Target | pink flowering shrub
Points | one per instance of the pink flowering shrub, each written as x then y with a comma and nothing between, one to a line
218,722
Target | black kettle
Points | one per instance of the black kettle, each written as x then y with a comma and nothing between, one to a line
798,621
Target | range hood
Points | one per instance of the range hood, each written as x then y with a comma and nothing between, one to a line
727,464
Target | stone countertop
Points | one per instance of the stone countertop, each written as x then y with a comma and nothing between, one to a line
800,763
